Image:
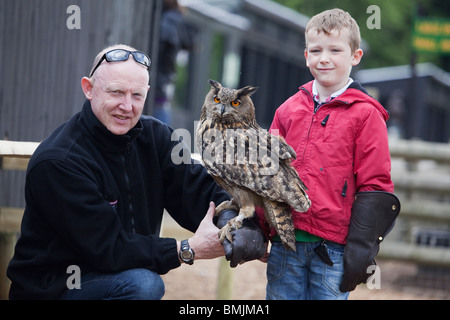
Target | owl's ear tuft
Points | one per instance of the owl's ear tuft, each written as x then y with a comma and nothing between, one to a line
246,91
216,85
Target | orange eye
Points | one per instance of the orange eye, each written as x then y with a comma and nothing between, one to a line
216,100
236,103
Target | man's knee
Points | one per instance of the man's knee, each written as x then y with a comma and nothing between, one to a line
146,285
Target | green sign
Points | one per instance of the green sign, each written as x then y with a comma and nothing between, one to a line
431,35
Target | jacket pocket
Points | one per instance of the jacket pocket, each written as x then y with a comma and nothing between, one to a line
335,141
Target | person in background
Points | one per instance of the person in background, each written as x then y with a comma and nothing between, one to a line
175,35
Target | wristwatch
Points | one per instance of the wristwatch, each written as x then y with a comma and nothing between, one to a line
186,253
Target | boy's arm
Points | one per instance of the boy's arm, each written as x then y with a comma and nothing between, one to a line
375,207
372,163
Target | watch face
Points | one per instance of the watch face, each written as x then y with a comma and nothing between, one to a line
186,255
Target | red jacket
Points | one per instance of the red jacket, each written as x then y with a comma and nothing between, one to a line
341,149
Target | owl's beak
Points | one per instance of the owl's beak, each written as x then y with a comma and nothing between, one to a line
222,110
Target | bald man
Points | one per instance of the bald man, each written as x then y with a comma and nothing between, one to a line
95,193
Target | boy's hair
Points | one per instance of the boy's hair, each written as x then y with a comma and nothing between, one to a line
335,19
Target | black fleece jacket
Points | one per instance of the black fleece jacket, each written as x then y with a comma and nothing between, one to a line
96,200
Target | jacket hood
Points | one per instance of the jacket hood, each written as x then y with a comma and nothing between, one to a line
355,93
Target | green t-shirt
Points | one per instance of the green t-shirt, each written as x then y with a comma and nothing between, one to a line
302,236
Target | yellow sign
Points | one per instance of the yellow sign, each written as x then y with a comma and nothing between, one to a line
431,35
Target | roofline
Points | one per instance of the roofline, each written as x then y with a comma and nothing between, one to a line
282,13
403,72
218,14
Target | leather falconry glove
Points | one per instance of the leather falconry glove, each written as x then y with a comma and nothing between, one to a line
373,217
248,241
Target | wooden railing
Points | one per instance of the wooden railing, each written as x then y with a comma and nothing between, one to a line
14,155
421,175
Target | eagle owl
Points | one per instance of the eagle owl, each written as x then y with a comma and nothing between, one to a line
251,164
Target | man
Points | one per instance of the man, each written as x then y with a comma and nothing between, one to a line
96,190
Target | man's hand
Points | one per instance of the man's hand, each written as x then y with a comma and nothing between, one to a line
205,241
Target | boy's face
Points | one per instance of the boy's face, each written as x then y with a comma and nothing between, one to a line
330,58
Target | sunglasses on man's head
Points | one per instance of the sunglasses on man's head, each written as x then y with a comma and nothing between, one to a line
122,55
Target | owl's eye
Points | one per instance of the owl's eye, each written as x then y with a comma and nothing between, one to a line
216,99
236,103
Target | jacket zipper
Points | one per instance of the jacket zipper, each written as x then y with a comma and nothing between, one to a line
310,125
128,189
344,189
324,121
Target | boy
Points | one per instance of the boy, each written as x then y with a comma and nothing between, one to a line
340,136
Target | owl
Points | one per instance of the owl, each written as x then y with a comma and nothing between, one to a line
250,163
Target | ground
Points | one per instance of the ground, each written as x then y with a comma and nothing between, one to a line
399,280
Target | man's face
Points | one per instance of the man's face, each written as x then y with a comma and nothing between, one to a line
330,58
117,92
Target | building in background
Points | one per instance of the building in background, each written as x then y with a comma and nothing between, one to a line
417,99
239,43
42,61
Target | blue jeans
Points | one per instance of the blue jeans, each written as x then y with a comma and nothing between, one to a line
302,275
132,284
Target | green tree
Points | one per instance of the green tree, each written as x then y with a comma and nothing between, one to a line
391,44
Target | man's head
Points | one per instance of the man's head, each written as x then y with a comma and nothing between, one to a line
332,47
117,90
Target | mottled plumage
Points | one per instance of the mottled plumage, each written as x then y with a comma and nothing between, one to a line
252,165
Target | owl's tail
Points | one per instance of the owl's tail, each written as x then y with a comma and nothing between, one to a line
279,216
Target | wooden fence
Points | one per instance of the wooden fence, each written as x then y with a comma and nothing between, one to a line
13,156
421,174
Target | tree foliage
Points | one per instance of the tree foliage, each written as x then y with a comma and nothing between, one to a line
391,44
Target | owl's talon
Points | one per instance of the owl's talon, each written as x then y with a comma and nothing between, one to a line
225,232
226,205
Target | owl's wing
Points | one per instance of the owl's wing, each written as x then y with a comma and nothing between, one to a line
286,151
252,158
